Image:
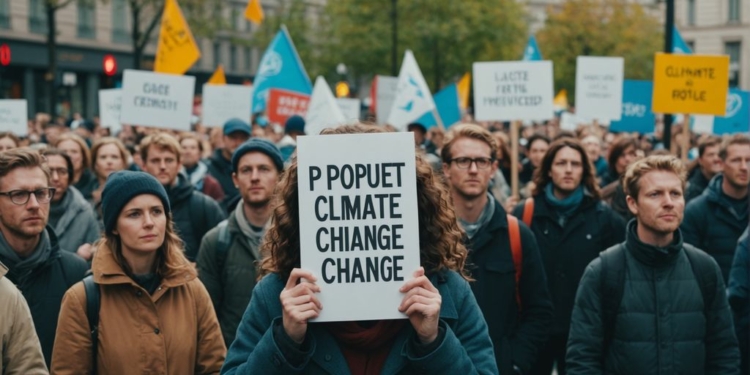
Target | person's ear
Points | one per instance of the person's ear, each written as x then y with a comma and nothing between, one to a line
632,205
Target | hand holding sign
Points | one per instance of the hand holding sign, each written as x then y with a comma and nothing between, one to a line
299,303
422,304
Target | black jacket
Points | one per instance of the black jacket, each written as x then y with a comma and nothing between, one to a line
516,339
44,288
221,170
193,213
567,250
695,185
87,184
660,327
711,225
738,292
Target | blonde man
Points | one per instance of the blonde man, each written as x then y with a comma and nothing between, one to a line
653,304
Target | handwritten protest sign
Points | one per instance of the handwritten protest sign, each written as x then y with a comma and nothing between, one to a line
158,100
110,103
691,84
599,87
283,104
225,102
358,221
13,116
508,91
385,94
351,108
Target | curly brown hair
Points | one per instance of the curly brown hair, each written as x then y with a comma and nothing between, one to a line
541,175
440,237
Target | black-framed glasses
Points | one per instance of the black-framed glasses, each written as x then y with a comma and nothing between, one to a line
62,172
465,163
21,197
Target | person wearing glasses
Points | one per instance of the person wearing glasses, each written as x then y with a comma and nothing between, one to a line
28,247
518,313
70,215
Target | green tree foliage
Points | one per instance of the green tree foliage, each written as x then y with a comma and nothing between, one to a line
600,28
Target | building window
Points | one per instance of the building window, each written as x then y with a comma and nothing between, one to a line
248,59
37,16
734,10
233,58
217,54
86,19
691,12
234,18
733,49
120,32
4,14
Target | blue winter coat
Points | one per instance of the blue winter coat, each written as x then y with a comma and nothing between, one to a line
466,347
739,298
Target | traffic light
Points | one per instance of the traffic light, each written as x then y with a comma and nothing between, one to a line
342,89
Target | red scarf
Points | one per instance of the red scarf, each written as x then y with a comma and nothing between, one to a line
366,346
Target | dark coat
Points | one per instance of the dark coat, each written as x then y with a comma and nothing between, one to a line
87,184
660,327
44,288
738,293
490,262
695,185
221,170
465,349
711,225
193,213
567,250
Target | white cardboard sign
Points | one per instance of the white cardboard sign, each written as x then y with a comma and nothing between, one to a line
358,222
157,100
513,90
599,82
350,107
385,94
110,103
14,116
225,102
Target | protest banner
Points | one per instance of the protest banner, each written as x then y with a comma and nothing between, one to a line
110,103
283,104
14,116
636,108
323,110
351,108
358,219
690,84
447,102
737,119
599,87
157,100
413,96
532,51
225,102
385,94
513,91
177,50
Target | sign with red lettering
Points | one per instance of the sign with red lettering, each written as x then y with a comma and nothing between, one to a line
283,104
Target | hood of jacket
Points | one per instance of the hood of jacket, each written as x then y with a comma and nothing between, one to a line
217,159
108,272
180,192
715,194
651,255
75,204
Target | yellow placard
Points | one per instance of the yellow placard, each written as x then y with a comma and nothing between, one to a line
690,84
218,78
177,50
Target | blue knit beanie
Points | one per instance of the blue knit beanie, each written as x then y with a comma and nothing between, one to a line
123,186
295,124
260,145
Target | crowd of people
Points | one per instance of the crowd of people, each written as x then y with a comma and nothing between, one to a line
156,251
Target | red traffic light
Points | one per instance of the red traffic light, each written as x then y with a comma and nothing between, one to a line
4,55
110,65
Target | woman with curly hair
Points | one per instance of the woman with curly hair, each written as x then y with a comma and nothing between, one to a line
444,333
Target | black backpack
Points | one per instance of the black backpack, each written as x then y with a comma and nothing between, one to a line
93,303
613,264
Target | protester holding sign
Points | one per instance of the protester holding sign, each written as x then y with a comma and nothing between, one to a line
154,314
445,332
510,285
572,225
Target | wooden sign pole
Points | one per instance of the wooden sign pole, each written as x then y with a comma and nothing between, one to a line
685,145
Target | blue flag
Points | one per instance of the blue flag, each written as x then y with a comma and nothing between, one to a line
678,44
532,52
737,119
280,68
446,101
636,108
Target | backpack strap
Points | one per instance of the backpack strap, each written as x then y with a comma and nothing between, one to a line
223,244
198,211
528,211
516,249
93,303
705,275
612,287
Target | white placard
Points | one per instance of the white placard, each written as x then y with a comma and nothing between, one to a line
512,90
157,100
377,238
225,102
385,94
110,102
14,116
599,83
568,121
351,108
703,124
